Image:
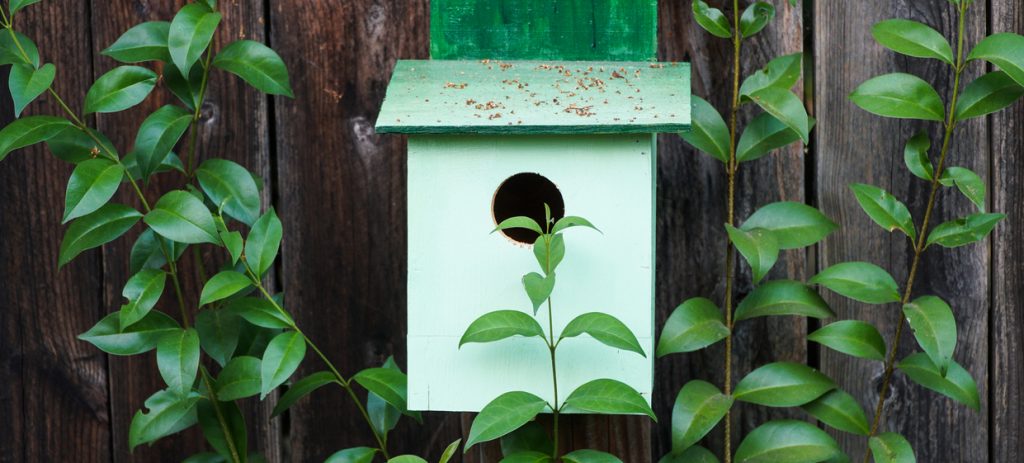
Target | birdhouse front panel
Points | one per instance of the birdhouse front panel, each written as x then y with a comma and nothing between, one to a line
489,140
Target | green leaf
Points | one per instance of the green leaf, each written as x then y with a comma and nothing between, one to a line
234,244
890,447
915,155
177,356
450,451
860,281
10,53
143,291
571,221
282,357
302,388
205,457
407,459
17,5
219,331
157,136
698,409
353,455
527,457
901,96
884,209
695,454
232,187
144,42
26,83
934,327
531,438
263,243
549,260
190,33
180,216
388,383
96,229
783,384
75,146
912,38
786,441
91,185
990,93
590,456
786,107
239,379
969,183
256,64
763,135
1005,50
852,337
223,285
711,19
608,396
147,253
695,324
967,230
782,73
519,222
186,89
957,383
755,17
709,133
28,131
783,297
503,415
795,225
538,288
500,325
213,423
604,328
759,248
120,89
260,312
840,411
169,413
139,338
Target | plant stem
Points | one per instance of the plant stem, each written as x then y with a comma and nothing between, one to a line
212,396
919,247
730,251
196,115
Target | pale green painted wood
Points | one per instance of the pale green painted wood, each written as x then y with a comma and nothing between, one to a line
536,97
459,270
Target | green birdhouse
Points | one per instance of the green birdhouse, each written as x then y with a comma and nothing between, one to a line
526,103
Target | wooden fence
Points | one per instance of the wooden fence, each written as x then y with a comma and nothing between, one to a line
340,188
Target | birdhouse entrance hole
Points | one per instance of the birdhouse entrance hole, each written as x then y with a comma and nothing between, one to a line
525,195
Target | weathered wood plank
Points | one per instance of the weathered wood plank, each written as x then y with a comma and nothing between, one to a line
854,146
1007,187
53,392
691,200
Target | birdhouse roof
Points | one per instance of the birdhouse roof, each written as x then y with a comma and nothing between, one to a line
536,97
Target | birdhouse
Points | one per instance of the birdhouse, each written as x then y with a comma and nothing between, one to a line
492,138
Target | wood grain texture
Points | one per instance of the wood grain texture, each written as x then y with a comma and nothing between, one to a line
576,30
854,146
691,201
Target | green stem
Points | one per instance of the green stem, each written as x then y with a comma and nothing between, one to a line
730,251
920,245
196,115
212,396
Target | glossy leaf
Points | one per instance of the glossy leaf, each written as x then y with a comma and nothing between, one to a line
711,19
1005,50
157,136
695,454
144,42
388,383
223,423
104,225
223,285
18,5
549,254
786,441
142,291
139,338
168,413
957,383
180,216
73,145
232,187
177,356
861,281
695,324
256,64
915,156
538,288
531,437
759,247
901,96
782,297
608,396
795,225
839,410
501,324
884,209
589,456
934,327
120,89
234,243
264,242
239,379
186,89
147,252
26,83
519,222
782,73
282,357
698,409
450,451
783,384
302,388
889,447
606,329
190,33
28,131
527,457
913,39
763,135
407,459
786,107
91,185
969,183
755,18
709,133
219,332
989,93
967,230
570,221
503,415
852,337
260,312
353,455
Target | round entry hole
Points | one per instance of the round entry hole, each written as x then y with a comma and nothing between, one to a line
525,195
